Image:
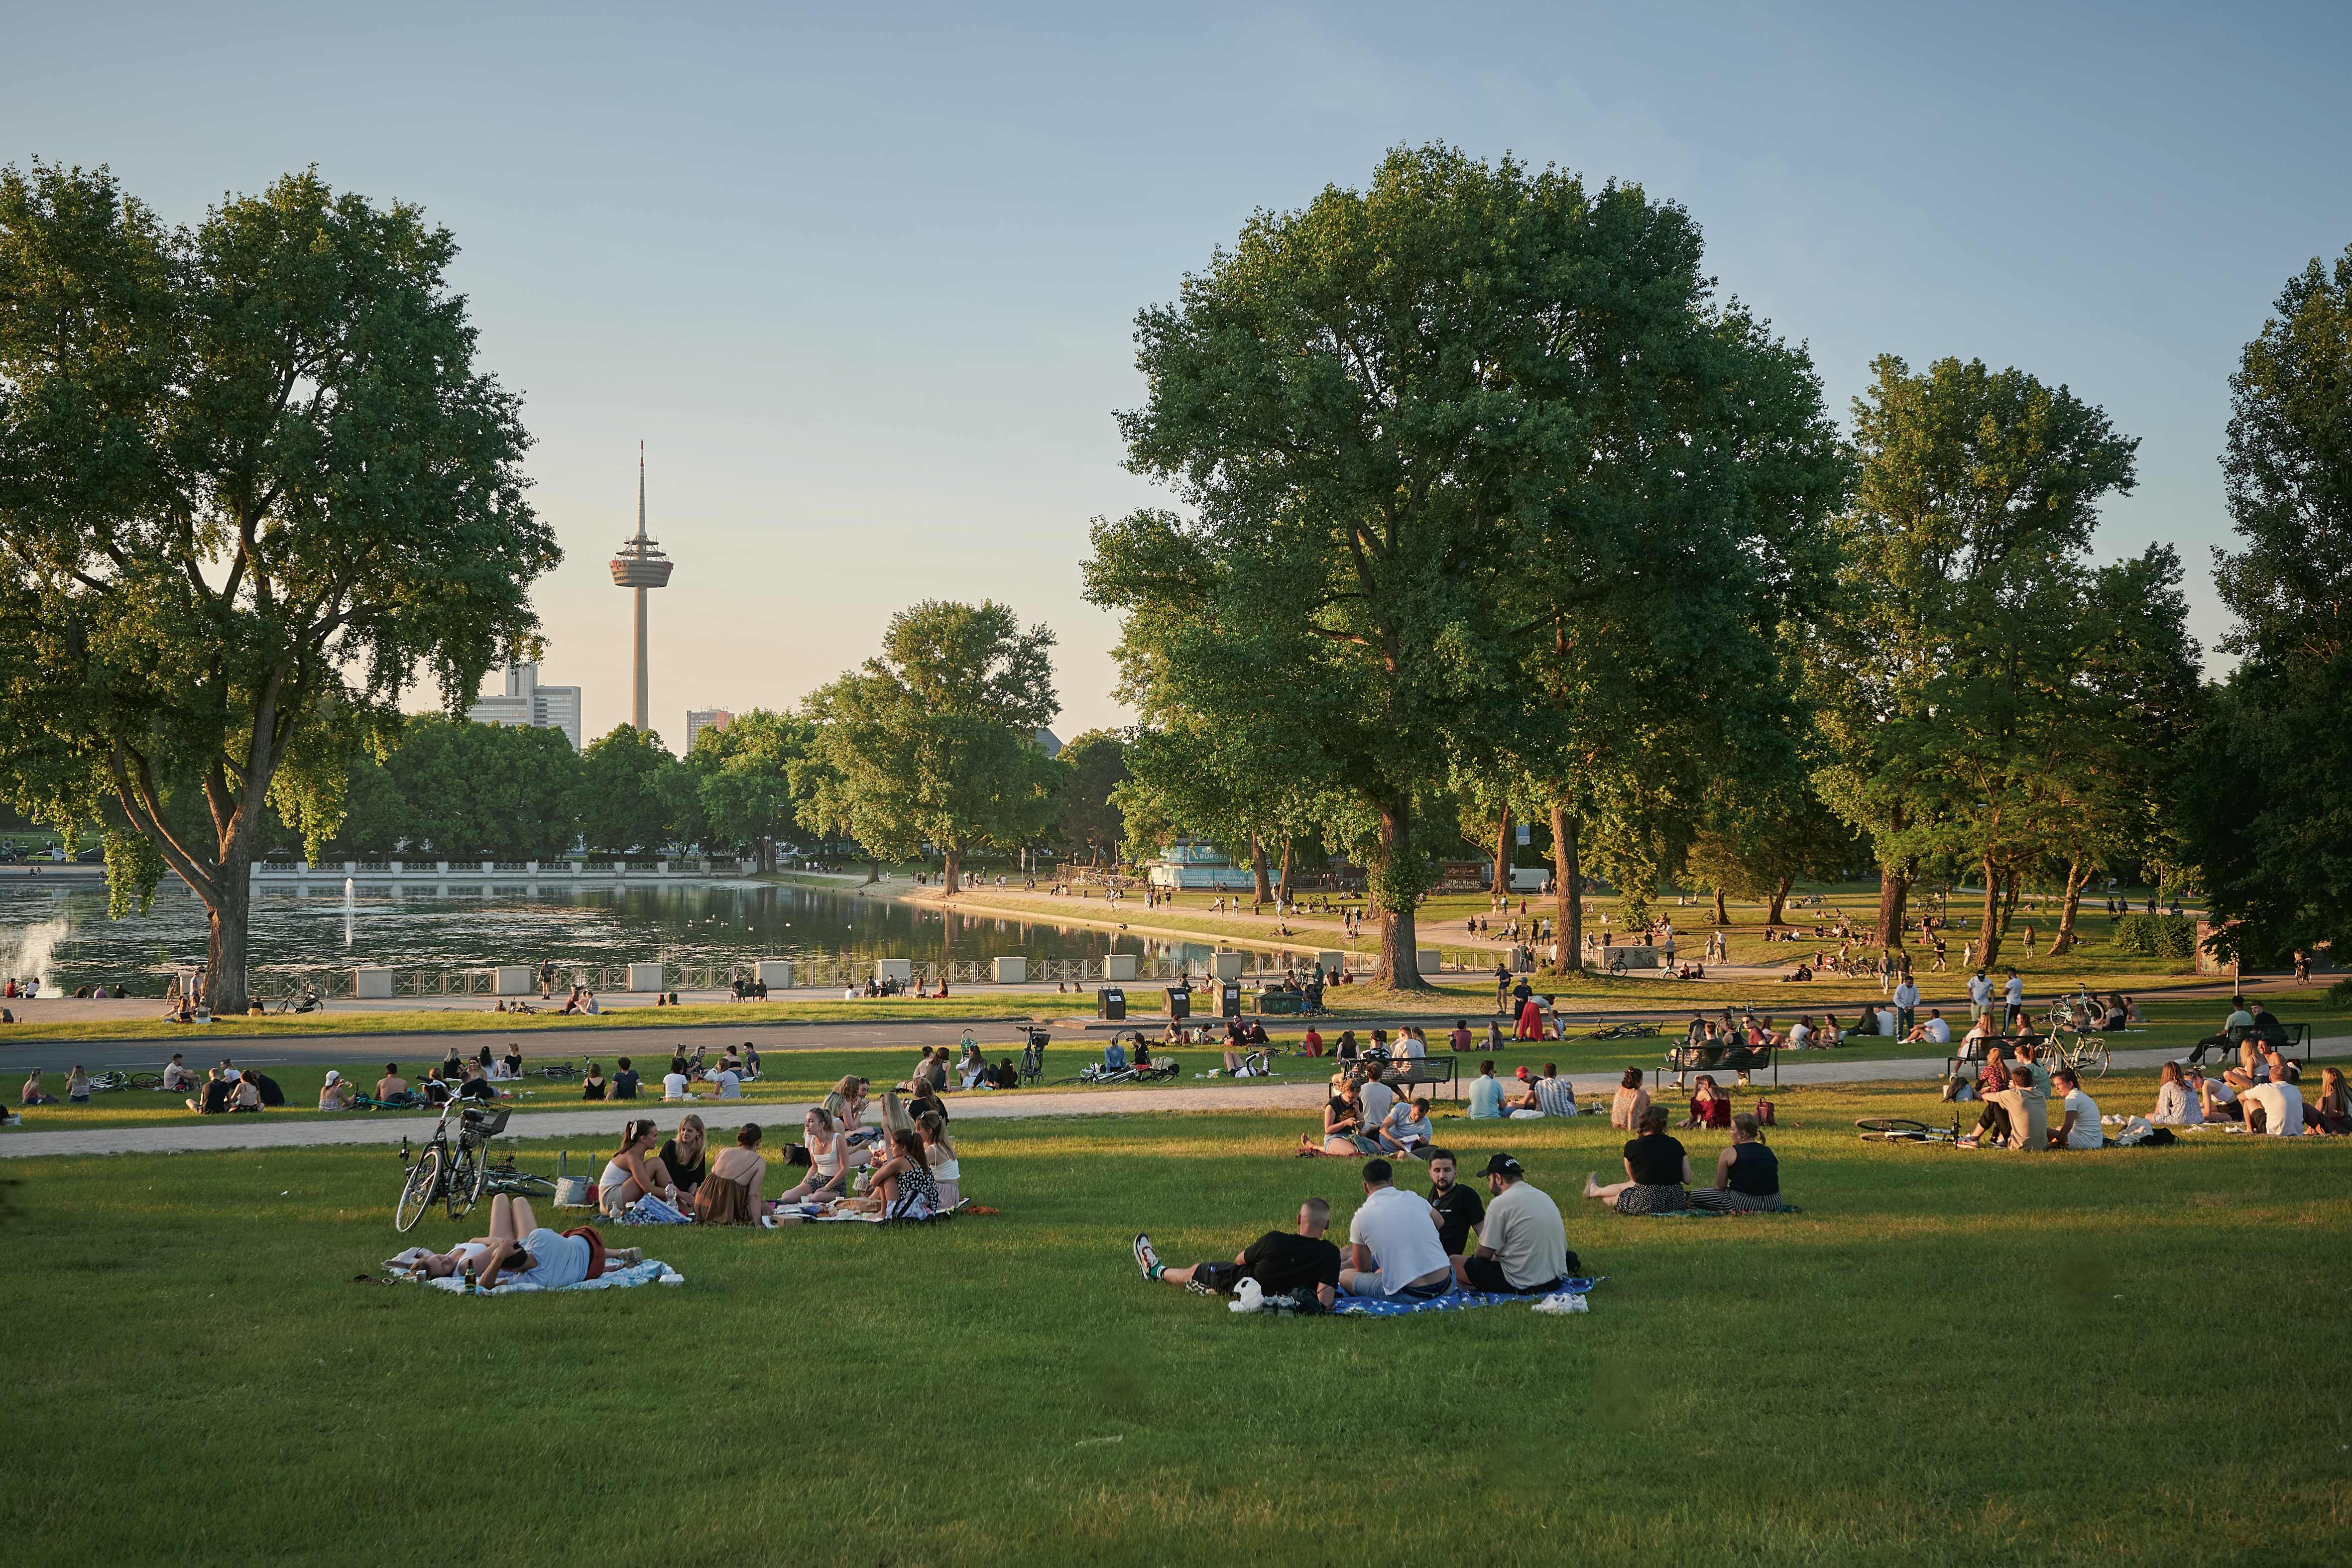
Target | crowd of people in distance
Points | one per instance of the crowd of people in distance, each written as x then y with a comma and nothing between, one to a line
1400,1245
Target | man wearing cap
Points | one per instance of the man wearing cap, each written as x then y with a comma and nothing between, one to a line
1392,1247
1523,1245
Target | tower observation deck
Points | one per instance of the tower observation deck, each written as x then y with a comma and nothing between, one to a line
640,566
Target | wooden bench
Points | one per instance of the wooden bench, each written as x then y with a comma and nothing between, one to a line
1683,1073
1414,1071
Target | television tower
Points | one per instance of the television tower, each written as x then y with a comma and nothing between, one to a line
640,566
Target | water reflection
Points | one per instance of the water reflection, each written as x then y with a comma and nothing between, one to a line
63,937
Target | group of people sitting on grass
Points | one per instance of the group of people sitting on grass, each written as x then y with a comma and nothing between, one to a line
1367,1115
1525,1098
2268,1100
1402,1246
1658,1177
906,1168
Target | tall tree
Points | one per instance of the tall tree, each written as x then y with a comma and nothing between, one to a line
476,790
2269,812
1089,817
251,483
742,778
1942,665
1378,410
934,741
630,792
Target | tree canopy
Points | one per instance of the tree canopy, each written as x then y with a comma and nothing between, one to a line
252,486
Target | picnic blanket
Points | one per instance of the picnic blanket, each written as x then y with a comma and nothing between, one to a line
1452,1301
652,1271
1719,1213
651,1210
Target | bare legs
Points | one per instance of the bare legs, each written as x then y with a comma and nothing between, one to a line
1599,1194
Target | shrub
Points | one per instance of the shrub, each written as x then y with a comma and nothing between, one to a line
2155,935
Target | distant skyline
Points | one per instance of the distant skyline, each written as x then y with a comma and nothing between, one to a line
865,283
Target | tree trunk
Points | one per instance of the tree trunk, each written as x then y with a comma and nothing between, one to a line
1893,890
1260,888
225,960
2009,889
2077,876
873,871
954,870
1722,916
1503,855
1400,966
1779,901
1287,845
1568,891
1988,925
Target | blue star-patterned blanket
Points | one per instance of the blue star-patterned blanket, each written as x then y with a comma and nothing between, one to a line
1452,1301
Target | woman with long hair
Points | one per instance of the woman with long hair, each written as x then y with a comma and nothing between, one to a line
686,1155
634,1171
2177,1104
940,1153
2328,1112
902,1186
1630,1104
827,1150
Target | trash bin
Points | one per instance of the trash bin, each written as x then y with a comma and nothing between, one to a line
1180,1002
1229,999
1111,1003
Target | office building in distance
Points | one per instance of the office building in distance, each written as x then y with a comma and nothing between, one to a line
527,705
699,720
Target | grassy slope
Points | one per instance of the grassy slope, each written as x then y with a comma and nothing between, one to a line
801,1075
1947,1358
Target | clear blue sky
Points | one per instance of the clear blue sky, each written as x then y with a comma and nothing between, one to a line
865,285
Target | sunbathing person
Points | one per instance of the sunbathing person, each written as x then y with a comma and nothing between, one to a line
392,1082
634,1171
1283,1262
522,1249
901,1187
1657,1171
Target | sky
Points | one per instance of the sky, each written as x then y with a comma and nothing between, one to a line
864,281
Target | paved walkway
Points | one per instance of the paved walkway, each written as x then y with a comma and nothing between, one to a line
1251,1095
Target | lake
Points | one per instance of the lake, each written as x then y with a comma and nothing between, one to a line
62,935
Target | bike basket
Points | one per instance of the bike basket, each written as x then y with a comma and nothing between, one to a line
486,1124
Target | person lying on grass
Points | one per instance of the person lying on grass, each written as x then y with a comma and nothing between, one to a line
1283,1263
1657,1171
1392,1246
524,1249
1522,1242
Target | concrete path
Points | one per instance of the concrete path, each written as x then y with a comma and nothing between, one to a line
1249,1095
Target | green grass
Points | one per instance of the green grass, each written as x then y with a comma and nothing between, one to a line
1946,1358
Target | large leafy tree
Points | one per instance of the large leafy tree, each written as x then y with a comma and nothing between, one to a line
1089,818
742,777
935,740
251,483
2269,813
633,793
1380,412
1943,664
477,791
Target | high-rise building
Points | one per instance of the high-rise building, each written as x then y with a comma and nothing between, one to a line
699,720
640,566
527,705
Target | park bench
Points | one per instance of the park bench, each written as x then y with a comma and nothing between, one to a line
1679,1064
1414,1071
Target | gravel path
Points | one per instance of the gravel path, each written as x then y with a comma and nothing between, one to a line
1253,1096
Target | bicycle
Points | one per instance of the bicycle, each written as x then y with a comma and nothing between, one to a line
2086,1052
560,1071
306,1002
1624,1031
1903,1130
500,1177
450,1169
102,1083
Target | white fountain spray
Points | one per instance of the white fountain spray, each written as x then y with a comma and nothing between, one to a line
350,909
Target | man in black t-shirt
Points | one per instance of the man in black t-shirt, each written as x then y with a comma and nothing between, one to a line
1284,1262
1459,1209
625,1081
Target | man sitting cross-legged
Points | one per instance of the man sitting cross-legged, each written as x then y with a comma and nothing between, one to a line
1284,1262
1392,1246
1523,1244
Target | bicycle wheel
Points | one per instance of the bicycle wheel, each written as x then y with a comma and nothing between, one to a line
527,1186
1891,1129
423,1185
146,1081
2093,1055
467,1171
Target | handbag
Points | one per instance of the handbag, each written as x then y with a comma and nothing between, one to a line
1764,1114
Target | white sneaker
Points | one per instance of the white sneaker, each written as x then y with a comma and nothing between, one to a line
1146,1259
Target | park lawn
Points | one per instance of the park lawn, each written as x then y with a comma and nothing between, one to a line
797,1075
1947,1357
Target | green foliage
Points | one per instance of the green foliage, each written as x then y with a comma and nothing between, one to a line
1090,816
743,782
934,741
252,484
633,792
2268,815
2155,935
134,868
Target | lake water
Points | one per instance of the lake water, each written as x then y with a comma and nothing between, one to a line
63,935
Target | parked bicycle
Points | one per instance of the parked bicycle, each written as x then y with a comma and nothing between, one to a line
451,1167
2084,1051
1902,1130
1624,1031
102,1083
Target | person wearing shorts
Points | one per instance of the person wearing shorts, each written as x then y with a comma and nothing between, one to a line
524,1249
1283,1262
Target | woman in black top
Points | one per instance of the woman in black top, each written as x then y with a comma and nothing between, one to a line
1657,1172
1747,1174
686,1155
593,1086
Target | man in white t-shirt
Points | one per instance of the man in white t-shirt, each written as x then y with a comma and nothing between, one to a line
1392,1246
1411,1047
2013,994
673,1085
1906,1002
2080,1127
1932,1031
2274,1109
1980,995
1800,1033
